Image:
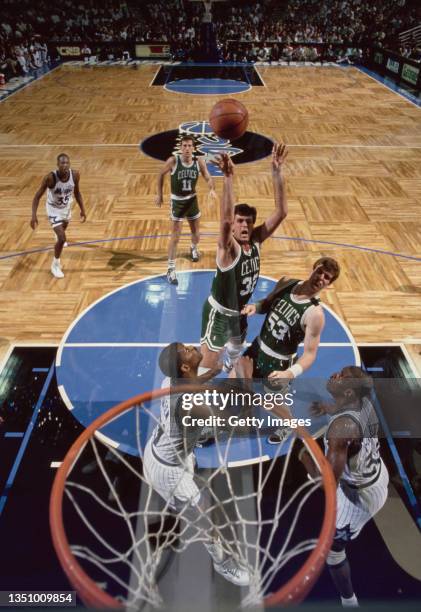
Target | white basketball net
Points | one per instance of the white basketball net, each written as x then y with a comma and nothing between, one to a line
250,538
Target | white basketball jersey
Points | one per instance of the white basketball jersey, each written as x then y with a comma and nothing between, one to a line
362,468
60,197
171,441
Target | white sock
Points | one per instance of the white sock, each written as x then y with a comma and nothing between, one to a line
56,261
171,264
350,602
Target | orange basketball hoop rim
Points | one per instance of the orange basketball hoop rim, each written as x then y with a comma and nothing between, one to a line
291,593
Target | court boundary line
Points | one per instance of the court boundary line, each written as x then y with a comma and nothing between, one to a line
35,80
14,345
6,358
260,76
415,505
121,445
154,76
401,345
137,144
380,82
187,93
208,86
66,334
410,361
207,234
25,441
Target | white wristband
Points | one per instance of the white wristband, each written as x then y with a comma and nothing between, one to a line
296,370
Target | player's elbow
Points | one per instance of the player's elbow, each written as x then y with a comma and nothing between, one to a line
279,216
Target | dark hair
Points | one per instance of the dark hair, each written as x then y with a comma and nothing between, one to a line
362,383
169,361
330,265
245,210
62,155
188,137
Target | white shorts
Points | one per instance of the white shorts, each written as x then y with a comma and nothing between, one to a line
57,216
355,507
174,484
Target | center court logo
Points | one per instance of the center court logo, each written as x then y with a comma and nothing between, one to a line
250,147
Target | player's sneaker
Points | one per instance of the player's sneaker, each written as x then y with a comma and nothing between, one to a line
172,276
279,435
56,270
352,602
227,364
194,253
233,572
216,551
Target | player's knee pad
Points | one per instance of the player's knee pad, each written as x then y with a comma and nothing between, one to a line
336,557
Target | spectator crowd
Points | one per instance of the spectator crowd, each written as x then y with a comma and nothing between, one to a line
253,31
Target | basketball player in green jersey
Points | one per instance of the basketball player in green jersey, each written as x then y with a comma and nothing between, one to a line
293,314
238,264
184,175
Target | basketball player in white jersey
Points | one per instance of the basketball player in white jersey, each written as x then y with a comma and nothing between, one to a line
352,448
168,462
61,185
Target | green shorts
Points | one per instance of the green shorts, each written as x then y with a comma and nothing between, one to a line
218,329
264,364
185,209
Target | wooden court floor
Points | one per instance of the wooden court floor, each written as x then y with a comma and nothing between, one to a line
354,190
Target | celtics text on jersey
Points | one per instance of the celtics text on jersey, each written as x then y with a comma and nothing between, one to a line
184,179
233,286
284,326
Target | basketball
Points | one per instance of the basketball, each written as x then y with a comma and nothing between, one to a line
229,119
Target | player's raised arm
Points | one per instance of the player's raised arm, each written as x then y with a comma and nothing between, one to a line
205,173
262,232
314,328
47,181
78,196
225,240
166,168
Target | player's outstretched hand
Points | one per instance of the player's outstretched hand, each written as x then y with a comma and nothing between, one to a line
244,367
279,155
212,196
82,216
224,163
281,375
33,222
249,310
158,201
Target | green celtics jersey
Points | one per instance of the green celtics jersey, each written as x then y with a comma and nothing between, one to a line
184,179
232,287
284,326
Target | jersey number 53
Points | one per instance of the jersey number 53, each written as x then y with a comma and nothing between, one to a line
278,328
